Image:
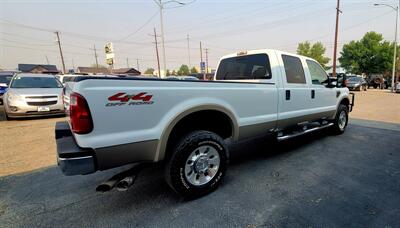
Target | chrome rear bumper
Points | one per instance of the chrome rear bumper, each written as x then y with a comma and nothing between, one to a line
72,159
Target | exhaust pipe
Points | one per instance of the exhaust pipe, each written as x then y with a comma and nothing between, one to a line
123,181
106,186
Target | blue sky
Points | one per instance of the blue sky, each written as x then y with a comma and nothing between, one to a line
26,28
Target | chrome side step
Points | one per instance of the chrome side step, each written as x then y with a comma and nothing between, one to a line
289,136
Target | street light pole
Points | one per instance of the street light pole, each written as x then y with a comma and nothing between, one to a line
161,6
395,41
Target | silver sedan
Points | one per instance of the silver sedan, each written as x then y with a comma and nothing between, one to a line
33,95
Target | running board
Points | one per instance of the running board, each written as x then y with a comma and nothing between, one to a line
285,137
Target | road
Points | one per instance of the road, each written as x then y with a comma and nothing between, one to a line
351,180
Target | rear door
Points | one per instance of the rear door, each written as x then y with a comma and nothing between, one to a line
294,94
322,99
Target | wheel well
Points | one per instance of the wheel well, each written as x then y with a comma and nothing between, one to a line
209,120
346,102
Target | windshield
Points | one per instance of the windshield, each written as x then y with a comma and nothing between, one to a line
68,79
35,82
6,78
354,79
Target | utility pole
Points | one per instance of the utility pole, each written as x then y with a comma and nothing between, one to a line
137,65
207,60
188,51
201,62
73,65
336,38
162,39
61,54
395,50
127,62
47,60
95,56
158,57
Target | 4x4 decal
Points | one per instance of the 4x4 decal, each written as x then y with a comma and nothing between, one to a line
120,99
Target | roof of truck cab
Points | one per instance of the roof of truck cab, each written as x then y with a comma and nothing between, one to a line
260,51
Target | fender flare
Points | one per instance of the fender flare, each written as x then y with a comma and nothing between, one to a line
162,145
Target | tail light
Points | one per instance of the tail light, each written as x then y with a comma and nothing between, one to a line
81,120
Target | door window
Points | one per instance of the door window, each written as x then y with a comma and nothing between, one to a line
318,75
294,70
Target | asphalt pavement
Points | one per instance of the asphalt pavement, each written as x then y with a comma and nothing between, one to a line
319,180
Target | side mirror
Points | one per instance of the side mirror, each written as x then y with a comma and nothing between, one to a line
332,82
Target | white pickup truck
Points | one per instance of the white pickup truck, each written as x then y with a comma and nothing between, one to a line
185,124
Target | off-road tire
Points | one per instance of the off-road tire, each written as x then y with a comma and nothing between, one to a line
175,165
338,127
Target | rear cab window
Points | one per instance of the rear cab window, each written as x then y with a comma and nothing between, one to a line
247,67
294,70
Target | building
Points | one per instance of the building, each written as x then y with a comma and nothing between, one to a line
127,71
92,70
38,68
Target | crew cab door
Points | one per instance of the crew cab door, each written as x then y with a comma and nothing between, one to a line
294,93
322,98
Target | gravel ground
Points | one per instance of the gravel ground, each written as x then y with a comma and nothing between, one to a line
29,144
377,105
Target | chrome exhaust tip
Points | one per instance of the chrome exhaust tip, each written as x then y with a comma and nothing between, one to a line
106,186
125,183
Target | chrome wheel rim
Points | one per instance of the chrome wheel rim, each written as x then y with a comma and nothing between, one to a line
342,120
202,165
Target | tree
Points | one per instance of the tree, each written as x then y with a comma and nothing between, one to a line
315,51
168,73
183,70
173,72
369,55
194,71
149,71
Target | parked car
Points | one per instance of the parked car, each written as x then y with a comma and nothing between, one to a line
67,77
5,78
398,87
356,83
33,95
183,124
182,78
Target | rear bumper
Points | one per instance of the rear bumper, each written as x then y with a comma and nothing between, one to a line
75,160
72,159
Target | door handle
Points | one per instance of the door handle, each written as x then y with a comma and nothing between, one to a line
287,95
312,94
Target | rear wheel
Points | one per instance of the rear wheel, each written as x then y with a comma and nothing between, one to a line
197,165
341,120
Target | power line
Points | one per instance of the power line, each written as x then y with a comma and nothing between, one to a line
140,28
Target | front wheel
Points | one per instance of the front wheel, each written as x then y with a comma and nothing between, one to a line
197,165
341,119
